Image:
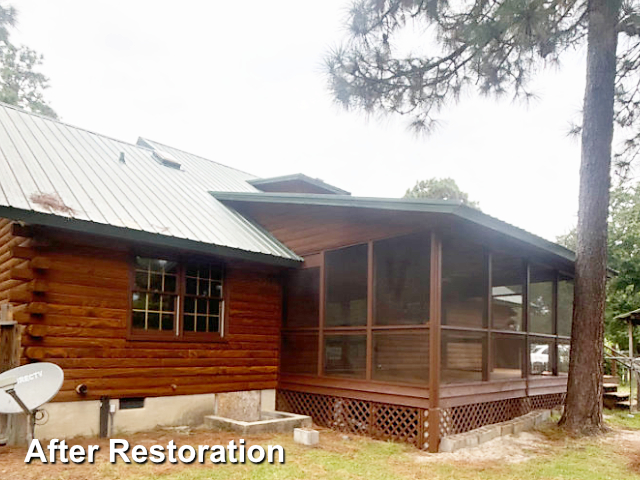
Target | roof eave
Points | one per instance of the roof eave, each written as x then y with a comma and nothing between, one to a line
407,205
139,236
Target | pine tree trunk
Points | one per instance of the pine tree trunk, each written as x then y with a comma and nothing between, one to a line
583,406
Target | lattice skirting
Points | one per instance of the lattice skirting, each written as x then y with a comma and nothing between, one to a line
464,418
406,424
377,420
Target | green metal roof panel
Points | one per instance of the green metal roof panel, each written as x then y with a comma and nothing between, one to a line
51,168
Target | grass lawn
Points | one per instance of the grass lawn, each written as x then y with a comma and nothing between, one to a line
547,454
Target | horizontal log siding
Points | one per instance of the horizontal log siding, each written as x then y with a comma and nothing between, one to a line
8,262
81,324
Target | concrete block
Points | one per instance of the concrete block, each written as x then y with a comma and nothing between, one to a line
546,415
506,428
523,424
306,436
472,440
538,419
488,433
446,445
242,406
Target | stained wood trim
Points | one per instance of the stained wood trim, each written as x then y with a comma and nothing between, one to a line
321,313
525,323
435,322
488,361
370,312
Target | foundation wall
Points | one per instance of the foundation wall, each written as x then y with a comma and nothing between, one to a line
76,419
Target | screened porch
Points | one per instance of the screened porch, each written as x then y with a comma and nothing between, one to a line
425,311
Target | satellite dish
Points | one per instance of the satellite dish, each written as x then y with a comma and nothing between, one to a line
33,384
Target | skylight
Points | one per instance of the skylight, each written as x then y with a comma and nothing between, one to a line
166,159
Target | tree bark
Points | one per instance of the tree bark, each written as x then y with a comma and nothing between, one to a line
583,406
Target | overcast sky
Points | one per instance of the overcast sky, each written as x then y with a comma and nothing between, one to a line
242,83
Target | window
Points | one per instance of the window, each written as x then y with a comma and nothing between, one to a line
202,299
175,301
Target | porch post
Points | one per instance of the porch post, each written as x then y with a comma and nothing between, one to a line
632,375
435,312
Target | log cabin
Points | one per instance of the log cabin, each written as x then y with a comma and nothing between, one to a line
158,280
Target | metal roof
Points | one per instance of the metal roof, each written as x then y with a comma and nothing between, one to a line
316,182
53,173
632,316
452,207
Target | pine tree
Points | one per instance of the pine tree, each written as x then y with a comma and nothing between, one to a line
20,82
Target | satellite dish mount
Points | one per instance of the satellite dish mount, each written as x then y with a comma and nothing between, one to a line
25,389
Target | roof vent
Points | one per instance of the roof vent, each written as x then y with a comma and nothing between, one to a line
122,160
166,159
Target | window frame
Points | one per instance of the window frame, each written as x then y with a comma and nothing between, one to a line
181,335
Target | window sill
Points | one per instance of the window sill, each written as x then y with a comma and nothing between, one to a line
205,338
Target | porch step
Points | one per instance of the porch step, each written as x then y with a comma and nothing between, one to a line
612,379
612,399
624,405
610,387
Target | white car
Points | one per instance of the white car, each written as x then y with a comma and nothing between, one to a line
539,359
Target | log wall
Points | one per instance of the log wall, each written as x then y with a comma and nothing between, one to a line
73,298
10,265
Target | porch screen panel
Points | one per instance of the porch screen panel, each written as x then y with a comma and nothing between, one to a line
508,356
402,280
300,353
346,287
345,355
401,357
464,284
302,298
541,353
563,357
463,356
565,305
508,277
541,299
